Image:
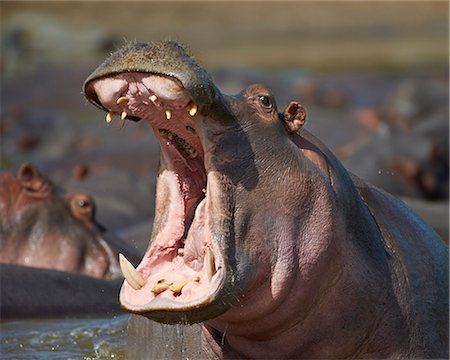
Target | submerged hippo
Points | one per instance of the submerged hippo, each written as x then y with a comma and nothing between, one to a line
40,228
261,234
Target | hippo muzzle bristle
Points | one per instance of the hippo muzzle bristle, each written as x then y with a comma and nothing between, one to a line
123,100
131,275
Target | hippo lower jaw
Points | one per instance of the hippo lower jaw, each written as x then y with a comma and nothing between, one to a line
183,271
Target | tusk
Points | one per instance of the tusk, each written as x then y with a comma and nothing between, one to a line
153,98
168,114
123,115
109,116
209,263
192,108
131,275
123,100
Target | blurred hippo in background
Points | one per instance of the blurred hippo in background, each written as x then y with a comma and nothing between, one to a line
50,243
261,234
39,227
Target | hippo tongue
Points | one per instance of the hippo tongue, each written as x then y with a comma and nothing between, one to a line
181,267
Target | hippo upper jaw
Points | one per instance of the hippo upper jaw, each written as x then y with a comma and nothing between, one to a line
185,270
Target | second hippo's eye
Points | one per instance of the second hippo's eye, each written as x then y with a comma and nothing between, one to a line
265,101
83,203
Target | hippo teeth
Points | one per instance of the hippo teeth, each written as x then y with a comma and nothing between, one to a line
123,100
130,274
181,144
192,108
109,116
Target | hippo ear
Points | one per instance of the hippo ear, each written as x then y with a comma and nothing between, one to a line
294,116
30,177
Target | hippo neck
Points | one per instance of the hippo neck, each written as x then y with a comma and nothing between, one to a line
358,301
337,287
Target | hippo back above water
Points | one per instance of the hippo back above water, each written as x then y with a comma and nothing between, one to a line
260,232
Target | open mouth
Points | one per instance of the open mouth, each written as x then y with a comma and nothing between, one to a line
183,269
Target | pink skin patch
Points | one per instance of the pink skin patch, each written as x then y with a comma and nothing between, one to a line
181,266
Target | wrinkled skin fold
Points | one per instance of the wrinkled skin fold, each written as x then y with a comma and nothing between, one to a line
260,233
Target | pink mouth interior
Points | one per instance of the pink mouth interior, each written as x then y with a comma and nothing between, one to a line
177,253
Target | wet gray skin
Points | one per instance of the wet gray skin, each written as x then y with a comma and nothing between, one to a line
260,232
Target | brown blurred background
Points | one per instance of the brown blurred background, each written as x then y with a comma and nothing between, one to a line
373,76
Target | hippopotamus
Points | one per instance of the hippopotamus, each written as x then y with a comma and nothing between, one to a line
42,228
260,234
52,245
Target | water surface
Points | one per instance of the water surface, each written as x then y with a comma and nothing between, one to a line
92,338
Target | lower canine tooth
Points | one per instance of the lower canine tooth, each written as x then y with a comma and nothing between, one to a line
209,263
123,115
130,274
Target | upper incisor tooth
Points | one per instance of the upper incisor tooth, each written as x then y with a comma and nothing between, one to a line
123,115
123,100
153,98
130,274
168,114
109,116
192,108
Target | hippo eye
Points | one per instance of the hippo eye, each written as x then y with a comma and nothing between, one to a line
265,101
83,203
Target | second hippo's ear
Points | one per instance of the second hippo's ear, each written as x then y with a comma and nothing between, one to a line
30,177
294,116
